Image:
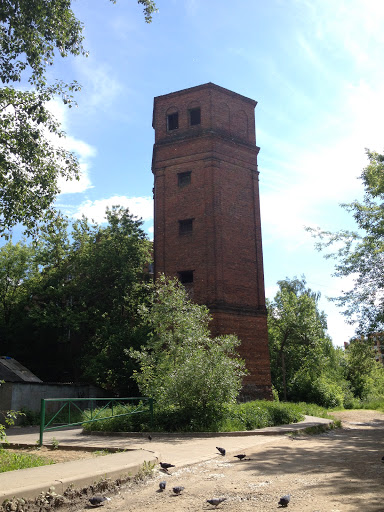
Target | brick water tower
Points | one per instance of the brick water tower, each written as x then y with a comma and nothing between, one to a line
207,218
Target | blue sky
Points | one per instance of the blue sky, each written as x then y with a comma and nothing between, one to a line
315,68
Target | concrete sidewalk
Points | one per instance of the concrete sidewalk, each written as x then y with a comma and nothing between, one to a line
179,449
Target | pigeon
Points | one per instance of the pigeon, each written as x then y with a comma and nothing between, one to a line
285,500
382,459
166,466
221,450
149,438
178,490
96,501
216,501
162,485
241,456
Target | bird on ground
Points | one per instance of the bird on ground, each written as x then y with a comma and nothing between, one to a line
221,450
166,466
178,490
241,456
216,501
382,459
96,501
149,437
162,485
284,500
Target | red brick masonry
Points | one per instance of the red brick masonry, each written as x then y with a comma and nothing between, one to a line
218,240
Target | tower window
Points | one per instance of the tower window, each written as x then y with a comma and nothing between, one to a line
185,226
183,179
186,276
194,116
173,121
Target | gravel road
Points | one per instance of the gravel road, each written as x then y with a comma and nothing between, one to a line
337,471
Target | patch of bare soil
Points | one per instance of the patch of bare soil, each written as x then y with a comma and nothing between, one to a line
337,471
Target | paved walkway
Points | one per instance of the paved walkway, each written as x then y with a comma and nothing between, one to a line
181,450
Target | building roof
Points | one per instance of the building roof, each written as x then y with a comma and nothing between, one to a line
13,371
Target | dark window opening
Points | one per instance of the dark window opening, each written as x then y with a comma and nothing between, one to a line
194,116
185,227
186,276
184,179
173,121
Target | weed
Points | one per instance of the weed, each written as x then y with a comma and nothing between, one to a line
145,471
54,444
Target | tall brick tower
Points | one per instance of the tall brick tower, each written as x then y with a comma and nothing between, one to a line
207,219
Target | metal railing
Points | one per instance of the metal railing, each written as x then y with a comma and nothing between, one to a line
92,413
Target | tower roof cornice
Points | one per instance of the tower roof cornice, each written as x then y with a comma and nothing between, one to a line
208,85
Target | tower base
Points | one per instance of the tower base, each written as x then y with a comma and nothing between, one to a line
251,328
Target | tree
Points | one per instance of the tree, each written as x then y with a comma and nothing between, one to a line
181,366
17,267
360,253
78,312
297,335
31,34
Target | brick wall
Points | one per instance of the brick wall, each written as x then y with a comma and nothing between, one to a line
224,249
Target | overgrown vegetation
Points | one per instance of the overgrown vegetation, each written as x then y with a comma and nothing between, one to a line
68,303
306,366
11,461
181,366
233,417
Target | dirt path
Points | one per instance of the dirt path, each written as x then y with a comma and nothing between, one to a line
338,471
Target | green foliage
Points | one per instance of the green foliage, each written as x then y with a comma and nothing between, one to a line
69,301
300,349
360,364
145,472
181,366
7,420
32,34
364,373
55,444
321,390
11,461
124,419
31,159
360,253
233,417
259,414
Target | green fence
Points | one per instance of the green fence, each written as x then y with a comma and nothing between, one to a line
92,412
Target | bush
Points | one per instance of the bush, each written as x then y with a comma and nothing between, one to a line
181,366
327,394
232,417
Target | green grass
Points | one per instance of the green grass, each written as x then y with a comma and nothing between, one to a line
10,461
375,404
233,417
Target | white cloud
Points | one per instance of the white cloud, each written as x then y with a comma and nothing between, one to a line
325,175
139,206
84,152
100,85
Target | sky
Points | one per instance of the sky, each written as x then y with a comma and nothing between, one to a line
315,69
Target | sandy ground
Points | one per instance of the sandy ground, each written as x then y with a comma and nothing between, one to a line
337,471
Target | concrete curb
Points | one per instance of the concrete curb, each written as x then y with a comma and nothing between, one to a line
29,483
